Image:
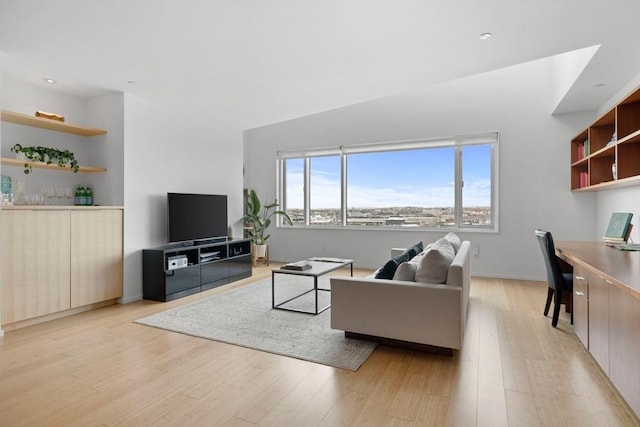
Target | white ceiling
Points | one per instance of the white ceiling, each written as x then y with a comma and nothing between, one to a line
250,63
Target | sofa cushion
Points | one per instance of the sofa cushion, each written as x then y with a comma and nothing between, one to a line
389,268
434,265
454,240
406,271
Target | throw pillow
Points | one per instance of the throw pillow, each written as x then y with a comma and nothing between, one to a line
434,265
389,268
417,248
454,240
406,271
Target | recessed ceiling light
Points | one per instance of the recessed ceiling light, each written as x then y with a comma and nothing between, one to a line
485,36
598,85
49,80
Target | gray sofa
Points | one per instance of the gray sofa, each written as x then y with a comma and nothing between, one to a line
431,315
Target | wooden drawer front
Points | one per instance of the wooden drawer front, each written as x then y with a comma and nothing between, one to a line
96,256
35,263
624,345
581,303
599,320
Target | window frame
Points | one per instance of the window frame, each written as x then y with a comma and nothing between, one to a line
491,139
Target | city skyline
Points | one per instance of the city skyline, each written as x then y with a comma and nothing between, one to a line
420,178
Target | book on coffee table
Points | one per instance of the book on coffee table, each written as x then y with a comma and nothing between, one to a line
327,259
297,266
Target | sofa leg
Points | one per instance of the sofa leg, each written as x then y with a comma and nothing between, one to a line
399,343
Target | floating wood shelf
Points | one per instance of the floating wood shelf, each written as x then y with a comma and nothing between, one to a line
49,124
41,165
609,185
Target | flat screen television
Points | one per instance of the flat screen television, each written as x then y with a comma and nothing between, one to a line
196,217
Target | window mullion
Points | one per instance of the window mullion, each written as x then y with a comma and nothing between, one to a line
343,182
307,191
459,184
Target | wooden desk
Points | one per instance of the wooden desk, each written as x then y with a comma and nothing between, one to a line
621,267
606,296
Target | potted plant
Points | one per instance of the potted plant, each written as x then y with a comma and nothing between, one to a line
46,155
258,220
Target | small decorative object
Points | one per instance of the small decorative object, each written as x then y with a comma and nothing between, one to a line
20,193
46,155
6,184
614,171
50,116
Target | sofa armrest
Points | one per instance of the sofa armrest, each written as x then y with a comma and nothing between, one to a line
397,251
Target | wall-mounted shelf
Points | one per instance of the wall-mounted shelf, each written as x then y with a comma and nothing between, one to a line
38,122
41,165
611,142
610,185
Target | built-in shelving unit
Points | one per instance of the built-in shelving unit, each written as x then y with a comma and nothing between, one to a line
54,125
49,124
611,143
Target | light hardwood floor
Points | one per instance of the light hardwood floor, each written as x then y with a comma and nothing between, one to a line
98,368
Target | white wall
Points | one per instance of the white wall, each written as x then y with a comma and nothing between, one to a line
622,199
172,151
534,166
107,112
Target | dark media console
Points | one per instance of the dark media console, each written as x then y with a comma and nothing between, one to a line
174,271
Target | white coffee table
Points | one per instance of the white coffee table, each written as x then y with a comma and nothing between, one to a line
319,267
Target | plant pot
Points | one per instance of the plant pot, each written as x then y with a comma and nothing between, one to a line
261,251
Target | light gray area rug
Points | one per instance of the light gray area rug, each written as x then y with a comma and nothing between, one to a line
243,316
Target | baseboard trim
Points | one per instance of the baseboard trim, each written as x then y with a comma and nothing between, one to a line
400,343
57,315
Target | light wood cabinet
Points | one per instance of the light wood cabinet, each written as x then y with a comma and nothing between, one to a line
580,305
96,247
624,344
57,259
35,263
599,319
614,138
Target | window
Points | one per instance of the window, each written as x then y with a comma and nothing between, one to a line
431,184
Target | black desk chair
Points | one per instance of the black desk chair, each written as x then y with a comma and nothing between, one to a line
560,283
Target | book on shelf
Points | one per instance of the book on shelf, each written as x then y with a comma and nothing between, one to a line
619,227
586,147
583,179
296,266
581,151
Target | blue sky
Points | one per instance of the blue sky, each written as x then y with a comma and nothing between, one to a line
422,178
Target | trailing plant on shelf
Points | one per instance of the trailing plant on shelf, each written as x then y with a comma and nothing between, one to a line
258,218
62,158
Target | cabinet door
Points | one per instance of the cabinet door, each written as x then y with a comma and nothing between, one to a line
96,256
599,320
35,263
581,304
624,345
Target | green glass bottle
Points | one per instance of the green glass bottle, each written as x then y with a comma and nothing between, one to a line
83,196
89,196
